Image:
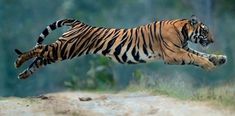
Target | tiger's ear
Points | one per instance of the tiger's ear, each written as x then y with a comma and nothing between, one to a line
193,20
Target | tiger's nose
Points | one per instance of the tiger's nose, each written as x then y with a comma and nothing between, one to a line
212,41
211,38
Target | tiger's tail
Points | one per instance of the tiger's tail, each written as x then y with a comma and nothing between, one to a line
54,26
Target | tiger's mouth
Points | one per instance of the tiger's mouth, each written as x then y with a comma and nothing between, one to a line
204,43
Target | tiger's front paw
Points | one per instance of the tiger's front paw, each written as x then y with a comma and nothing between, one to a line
218,60
208,66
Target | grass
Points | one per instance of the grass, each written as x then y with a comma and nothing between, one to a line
3,98
182,88
222,95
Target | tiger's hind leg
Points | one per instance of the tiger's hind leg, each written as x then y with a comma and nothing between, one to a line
45,54
38,63
23,57
31,69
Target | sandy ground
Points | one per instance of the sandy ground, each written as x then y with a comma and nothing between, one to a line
120,104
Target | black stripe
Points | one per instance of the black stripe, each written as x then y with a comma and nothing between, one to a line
44,62
167,46
130,43
160,39
99,48
40,40
118,59
71,51
135,55
195,39
142,61
130,62
125,34
185,44
118,48
184,32
70,21
63,54
144,45
151,32
110,43
44,50
48,55
124,56
183,62
59,24
150,42
45,32
137,38
53,26
154,30
176,45
55,48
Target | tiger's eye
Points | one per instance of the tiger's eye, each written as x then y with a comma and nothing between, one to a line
203,26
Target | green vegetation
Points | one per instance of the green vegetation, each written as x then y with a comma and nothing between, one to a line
175,87
2,98
98,77
221,95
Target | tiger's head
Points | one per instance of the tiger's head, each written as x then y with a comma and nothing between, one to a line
199,32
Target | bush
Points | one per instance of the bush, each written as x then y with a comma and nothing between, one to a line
98,77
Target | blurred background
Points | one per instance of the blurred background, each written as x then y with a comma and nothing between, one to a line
23,20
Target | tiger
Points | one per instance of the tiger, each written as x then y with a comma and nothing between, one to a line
165,40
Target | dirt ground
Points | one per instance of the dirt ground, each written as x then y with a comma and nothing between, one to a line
101,104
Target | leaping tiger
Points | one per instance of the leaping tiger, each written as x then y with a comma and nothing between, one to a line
166,40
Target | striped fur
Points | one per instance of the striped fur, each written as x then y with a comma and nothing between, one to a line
166,40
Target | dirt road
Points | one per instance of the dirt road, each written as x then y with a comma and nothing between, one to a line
121,104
